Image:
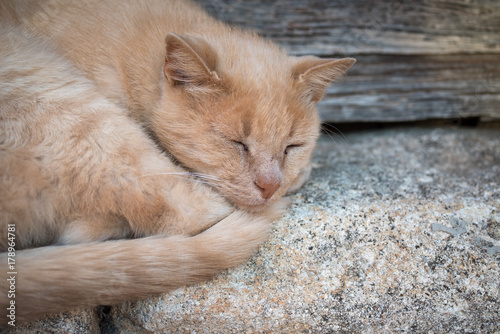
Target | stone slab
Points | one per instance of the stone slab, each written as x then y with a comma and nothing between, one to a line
397,230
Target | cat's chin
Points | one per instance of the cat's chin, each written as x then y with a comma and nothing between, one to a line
271,208
256,205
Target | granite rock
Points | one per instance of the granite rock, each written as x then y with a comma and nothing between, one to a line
397,230
73,322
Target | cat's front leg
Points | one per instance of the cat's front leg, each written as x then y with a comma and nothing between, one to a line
156,197
150,192
114,182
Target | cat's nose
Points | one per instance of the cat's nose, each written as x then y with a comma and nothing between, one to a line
268,185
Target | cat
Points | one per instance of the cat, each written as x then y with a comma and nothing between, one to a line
143,146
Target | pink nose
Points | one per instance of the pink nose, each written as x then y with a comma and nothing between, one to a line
267,186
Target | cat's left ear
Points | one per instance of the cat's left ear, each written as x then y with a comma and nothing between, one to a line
312,75
190,64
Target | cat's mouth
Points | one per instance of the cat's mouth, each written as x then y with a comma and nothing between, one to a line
254,199
245,194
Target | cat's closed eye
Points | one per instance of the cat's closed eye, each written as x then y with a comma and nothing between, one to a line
290,147
242,145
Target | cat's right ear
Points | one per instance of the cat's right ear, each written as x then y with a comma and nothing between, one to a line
312,75
190,63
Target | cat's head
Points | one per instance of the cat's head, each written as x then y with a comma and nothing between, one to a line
243,115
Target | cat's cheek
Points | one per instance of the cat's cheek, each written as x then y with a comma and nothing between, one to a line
247,197
300,180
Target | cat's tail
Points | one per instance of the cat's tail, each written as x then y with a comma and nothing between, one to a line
58,278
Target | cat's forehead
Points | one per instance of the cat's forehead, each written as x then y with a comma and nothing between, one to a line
265,117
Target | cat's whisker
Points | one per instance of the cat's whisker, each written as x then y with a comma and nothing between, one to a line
210,184
205,176
206,179
327,132
335,134
187,174
331,129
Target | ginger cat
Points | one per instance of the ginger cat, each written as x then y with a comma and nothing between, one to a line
144,145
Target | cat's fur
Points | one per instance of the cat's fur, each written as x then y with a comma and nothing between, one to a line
88,90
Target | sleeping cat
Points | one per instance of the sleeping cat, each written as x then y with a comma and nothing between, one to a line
147,143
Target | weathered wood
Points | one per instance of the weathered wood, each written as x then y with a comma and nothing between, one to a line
408,88
369,27
416,59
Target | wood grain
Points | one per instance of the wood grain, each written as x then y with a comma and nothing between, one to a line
416,59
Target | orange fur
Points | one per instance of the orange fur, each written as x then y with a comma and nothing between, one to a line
87,91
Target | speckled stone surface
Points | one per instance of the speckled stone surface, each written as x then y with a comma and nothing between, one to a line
397,231
72,322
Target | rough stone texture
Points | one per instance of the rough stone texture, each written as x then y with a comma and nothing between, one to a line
397,230
73,322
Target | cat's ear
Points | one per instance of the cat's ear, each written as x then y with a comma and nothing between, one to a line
312,75
190,63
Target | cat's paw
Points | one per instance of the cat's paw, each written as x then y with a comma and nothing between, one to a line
238,236
300,180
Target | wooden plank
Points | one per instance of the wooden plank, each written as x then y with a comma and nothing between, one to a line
407,88
326,27
417,60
